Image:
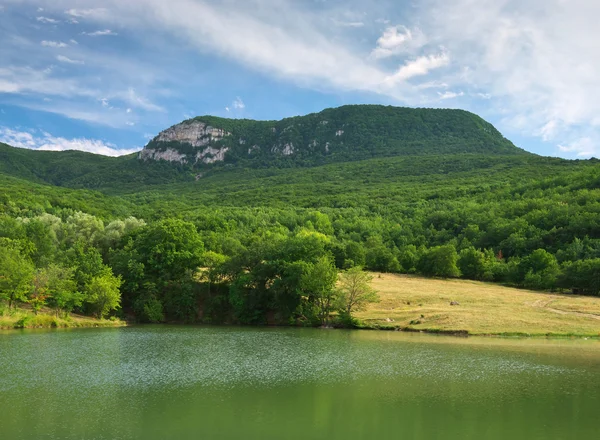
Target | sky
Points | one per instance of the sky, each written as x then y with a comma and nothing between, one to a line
105,76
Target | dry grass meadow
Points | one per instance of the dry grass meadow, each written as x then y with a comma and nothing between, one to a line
484,308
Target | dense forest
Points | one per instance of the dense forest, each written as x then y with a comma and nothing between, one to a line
281,242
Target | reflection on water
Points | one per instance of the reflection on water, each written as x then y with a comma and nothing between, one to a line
230,383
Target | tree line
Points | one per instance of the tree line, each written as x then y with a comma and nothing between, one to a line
257,266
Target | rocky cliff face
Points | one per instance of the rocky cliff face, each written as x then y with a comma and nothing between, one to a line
195,134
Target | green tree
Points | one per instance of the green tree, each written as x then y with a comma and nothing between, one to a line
472,263
103,294
440,261
62,289
318,283
355,290
38,294
16,275
541,270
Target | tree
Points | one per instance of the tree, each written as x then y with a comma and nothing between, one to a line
440,261
318,282
16,274
541,270
472,263
582,276
39,292
103,294
62,289
356,291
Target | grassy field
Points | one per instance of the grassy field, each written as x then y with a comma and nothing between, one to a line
410,302
23,318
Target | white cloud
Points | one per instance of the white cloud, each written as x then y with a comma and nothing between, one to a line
64,59
27,80
238,104
350,24
87,13
53,43
47,20
397,40
582,147
136,100
450,95
418,67
47,142
532,60
100,33
534,57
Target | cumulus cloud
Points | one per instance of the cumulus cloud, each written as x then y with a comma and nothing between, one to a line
532,58
396,40
47,142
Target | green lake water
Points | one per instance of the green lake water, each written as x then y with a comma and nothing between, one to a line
249,383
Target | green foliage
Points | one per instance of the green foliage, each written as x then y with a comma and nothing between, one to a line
318,284
258,239
440,261
16,274
102,293
62,289
355,290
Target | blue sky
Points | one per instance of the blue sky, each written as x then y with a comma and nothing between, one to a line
106,75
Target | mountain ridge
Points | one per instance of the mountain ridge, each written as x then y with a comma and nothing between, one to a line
206,145
347,133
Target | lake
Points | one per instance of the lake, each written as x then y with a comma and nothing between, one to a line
163,382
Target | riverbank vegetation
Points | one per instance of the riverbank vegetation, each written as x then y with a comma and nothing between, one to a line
21,318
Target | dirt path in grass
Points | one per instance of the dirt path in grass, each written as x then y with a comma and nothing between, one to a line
543,304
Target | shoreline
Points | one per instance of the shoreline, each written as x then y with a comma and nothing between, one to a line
466,333
26,320
49,322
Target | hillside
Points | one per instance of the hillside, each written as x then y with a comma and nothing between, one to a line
478,209
348,133
188,150
77,169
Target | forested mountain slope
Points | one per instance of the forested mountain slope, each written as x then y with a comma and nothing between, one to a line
348,133
194,147
264,230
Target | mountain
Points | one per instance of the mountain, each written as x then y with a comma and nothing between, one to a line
349,133
198,147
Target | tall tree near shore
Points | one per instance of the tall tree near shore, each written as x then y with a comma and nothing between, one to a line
356,291
103,294
318,282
